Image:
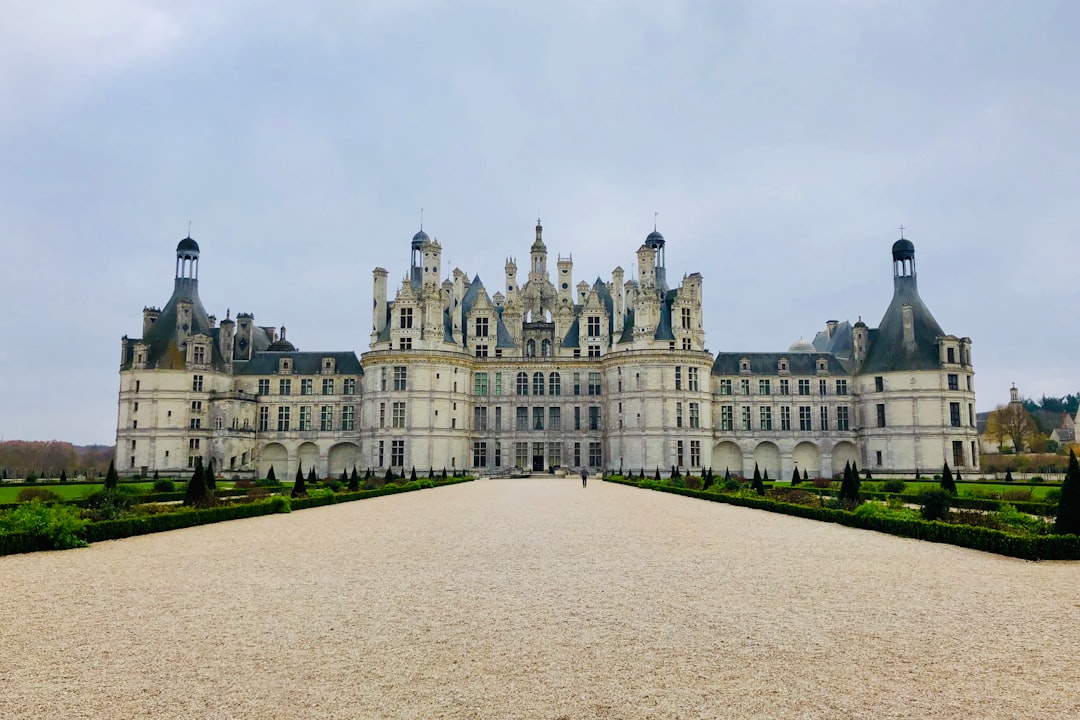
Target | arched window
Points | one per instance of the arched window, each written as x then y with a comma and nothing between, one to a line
538,383
545,348
219,423
530,348
522,383
554,384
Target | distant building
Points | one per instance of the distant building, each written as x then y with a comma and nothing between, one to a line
543,373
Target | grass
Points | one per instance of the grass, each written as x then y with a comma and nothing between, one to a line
68,491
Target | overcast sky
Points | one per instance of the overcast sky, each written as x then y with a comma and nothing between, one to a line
781,143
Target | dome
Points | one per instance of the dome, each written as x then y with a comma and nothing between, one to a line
419,239
187,245
654,240
281,345
903,248
802,345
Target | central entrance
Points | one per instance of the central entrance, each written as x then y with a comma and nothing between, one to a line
538,457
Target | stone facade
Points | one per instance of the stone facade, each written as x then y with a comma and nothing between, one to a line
543,373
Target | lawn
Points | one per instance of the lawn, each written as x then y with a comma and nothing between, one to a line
69,491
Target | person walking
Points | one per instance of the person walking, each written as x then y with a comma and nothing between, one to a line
584,477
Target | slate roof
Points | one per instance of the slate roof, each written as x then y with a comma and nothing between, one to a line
886,351
841,343
573,339
303,363
628,327
503,339
663,328
163,347
766,363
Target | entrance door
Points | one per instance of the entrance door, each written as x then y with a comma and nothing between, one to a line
538,457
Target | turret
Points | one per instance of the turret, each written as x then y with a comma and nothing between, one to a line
432,252
245,327
225,338
150,316
565,281
511,278
656,242
379,290
416,270
646,267
618,295
538,253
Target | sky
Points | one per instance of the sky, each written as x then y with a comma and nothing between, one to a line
777,145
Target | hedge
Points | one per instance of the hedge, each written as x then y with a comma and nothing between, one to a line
11,543
1042,547
960,503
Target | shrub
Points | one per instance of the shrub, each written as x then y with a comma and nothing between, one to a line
693,482
822,482
281,504
108,504
111,478
935,504
1037,479
894,486
269,482
947,482
1017,495
243,484
164,486
42,494
794,496
257,493
1068,510
333,485
676,481
1052,496
731,485
58,526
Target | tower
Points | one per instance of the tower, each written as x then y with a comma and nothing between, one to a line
566,280
538,253
656,242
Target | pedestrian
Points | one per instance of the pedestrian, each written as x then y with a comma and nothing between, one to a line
584,477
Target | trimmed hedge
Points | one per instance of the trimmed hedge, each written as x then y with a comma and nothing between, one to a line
11,543
960,503
1043,547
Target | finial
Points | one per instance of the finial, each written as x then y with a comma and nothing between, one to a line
227,313
654,216
421,219
901,232
189,228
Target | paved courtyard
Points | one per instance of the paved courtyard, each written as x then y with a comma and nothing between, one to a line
535,599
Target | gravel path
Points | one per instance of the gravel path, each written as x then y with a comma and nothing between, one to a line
535,599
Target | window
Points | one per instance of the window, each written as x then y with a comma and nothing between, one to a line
264,419
481,351
196,384
545,347
881,414
193,444
785,386
196,423
950,353
326,418
328,386
498,418
134,424
577,453
958,453
766,417
348,417
382,453
305,417
686,344
695,453
678,414
284,387
522,418
522,383
480,383
968,383
135,407
593,324
727,417
498,384
283,418
538,418
498,454
264,386
744,386
695,415
971,416
879,384
199,354
954,381
405,343
841,387
479,454
196,406
554,384
785,417
594,351
555,454
398,416
577,417
521,454
954,414
686,318
746,418
804,417
306,386
679,453
678,377
382,414
555,418
397,453
823,387
480,418
764,387
824,413
405,316
878,458
401,376
577,383
530,348
594,383
538,383
843,421
481,327
804,386
596,459
348,386
138,385
692,381
725,387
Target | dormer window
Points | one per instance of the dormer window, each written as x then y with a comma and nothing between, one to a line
822,365
783,365
328,365
744,365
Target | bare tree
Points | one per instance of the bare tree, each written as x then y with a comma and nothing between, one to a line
1011,423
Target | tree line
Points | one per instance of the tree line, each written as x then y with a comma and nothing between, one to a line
24,458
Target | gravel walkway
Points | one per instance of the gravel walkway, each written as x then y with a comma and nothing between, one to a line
535,599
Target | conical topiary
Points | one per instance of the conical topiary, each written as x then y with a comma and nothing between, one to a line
849,489
344,476
444,472
412,476
111,478
765,475
299,489
657,476
866,475
270,476
354,480
1008,476
795,476
197,493
1068,510
947,483
805,477
311,476
958,476
758,486
208,475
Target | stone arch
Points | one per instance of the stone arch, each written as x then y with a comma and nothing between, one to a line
274,454
767,457
727,456
308,454
342,456
807,456
842,453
